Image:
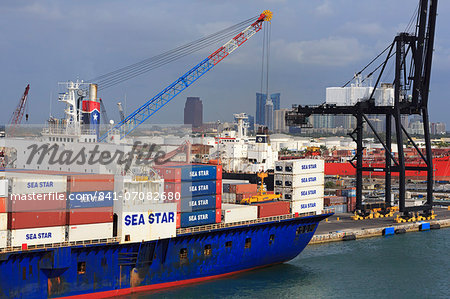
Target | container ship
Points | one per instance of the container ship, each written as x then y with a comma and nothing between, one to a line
96,230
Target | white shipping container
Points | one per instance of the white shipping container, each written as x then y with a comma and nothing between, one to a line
95,231
300,166
38,236
130,193
301,193
3,221
307,206
155,221
278,180
3,188
306,180
25,183
3,238
236,213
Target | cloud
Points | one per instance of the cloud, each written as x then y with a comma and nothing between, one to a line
361,28
331,51
324,9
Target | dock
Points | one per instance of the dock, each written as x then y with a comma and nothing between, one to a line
340,227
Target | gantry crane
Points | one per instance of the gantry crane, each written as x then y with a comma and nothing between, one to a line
140,115
413,54
17,115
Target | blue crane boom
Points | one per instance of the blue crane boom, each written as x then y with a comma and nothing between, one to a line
132,121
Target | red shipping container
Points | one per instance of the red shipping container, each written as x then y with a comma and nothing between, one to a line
218,201
219,172
90,215
21,220
3,205
178,220
90,182
274,208
246,188
241,196
37,202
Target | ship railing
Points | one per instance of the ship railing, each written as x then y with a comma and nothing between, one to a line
61,244
203,228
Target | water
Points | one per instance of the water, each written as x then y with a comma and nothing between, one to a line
413,265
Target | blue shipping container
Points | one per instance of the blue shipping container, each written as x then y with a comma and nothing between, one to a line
90,199
192,189
197,218
198,173
198,203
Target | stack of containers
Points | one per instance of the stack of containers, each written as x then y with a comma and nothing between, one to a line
36,209
197,190
141,215
338,203
90,206
3,213
301,182
351,198
234,191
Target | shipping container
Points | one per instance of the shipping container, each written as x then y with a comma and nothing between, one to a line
3,238
189,172
334,200
200,218
86,232
37,202
25,183
278,180
236,213
351,192
3,204
307,206
90,182
23,220
3,221
243,188
158,221
199,203
300,193
90,215
3,188
38,236
192,189
274,208
90,199
303,180
339,209
299,166
241,196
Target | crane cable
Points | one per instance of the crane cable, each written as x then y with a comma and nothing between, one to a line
407,29
136,69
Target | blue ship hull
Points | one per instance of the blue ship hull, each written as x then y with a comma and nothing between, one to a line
105,270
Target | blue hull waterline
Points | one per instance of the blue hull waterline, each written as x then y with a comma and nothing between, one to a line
110,269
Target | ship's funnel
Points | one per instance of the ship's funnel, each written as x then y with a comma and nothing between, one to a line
93,92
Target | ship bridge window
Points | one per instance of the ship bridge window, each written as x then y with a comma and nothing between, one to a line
248,243
271,239
208,250
183,254
81,267
228,244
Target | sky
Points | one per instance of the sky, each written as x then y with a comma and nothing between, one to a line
314,45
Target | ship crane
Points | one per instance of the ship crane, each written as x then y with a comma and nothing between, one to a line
140,115
17,116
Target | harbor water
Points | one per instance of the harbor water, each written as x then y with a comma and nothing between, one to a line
413,265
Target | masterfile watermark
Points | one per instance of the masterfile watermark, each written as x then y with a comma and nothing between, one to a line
140,154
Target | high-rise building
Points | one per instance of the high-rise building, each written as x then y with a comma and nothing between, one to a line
251,122
260,110
268,117
193,112
438,128
275,97
279,124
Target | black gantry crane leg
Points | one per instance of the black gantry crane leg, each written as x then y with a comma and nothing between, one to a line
387,170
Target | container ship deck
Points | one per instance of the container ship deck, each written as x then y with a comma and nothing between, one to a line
104,268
